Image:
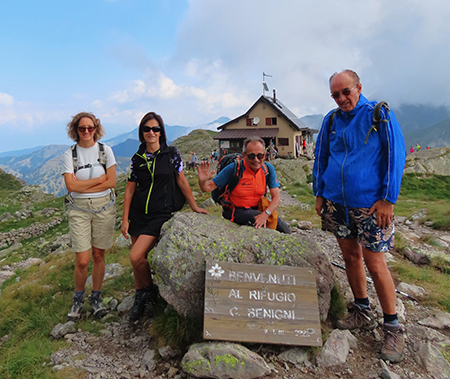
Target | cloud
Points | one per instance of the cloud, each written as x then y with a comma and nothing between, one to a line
398,48
6,100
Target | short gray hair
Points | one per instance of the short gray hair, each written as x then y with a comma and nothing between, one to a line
351,73
252,139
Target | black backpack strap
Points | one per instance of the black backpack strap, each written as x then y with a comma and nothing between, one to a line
238,171
377,119
74,158
331,120
102,155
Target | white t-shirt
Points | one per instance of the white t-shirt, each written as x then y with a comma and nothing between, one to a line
89,166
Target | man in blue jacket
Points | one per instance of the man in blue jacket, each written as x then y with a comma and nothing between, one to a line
357,176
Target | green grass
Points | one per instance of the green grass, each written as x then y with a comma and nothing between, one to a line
430,192
425,188
432,279
29,310
173,329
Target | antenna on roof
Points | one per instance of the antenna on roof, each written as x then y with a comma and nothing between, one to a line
265,87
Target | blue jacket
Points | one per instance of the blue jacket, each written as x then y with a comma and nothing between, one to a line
355,174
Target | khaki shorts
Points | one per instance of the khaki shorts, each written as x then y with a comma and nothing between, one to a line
92,229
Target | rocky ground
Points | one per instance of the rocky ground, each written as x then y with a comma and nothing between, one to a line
125,350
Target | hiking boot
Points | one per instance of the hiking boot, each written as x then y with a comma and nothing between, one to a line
358,318
144,302
394,344
150,305
76,310
97,307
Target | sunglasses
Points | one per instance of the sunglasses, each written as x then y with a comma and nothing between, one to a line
252,156
156,129
90,129
345,92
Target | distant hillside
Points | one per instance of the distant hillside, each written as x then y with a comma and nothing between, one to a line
416,117
127,148
18,153
437,135
313,121
25,165
201,141
9,182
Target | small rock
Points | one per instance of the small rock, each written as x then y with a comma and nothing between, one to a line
411,289
385,373
61,330
167,352
125,306
172,372
336,348
304,225
149,360
294,356
208,203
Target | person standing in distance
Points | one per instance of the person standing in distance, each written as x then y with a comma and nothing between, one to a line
357,176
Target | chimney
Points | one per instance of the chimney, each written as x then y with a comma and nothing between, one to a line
274,96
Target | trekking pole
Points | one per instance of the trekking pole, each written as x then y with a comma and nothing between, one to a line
370,280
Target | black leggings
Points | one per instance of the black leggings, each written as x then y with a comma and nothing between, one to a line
246,216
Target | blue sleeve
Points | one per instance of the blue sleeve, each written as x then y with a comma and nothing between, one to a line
272,180
224,176
394,144
322,153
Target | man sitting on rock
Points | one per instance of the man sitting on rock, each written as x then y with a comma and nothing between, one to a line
246,196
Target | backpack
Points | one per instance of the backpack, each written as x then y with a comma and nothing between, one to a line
376,118
221,195
101,157
178,197
68,200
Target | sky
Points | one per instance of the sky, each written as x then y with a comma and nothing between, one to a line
193,61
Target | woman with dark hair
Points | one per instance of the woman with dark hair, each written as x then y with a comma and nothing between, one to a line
149,203
89,170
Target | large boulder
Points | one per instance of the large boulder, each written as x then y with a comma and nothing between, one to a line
223,360
429,161
189,239
290,171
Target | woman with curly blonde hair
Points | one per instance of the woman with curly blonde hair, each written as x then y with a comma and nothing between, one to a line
89,171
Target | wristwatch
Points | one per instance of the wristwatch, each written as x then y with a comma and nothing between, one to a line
387,201
268,213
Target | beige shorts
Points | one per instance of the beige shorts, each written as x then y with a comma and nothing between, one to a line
92,229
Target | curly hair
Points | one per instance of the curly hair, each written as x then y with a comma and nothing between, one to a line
72,126
158,118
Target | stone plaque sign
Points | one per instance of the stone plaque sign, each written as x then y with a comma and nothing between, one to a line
259,303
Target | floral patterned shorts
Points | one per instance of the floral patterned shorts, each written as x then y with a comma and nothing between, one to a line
350,223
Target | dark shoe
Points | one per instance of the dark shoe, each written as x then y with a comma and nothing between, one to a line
97,306
144,302
358,318
138,307
394,344
151,299
76,310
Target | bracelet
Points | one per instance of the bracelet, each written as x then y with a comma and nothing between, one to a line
387,201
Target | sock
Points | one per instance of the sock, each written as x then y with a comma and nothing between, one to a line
363,303
96,293
391,320
79,295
